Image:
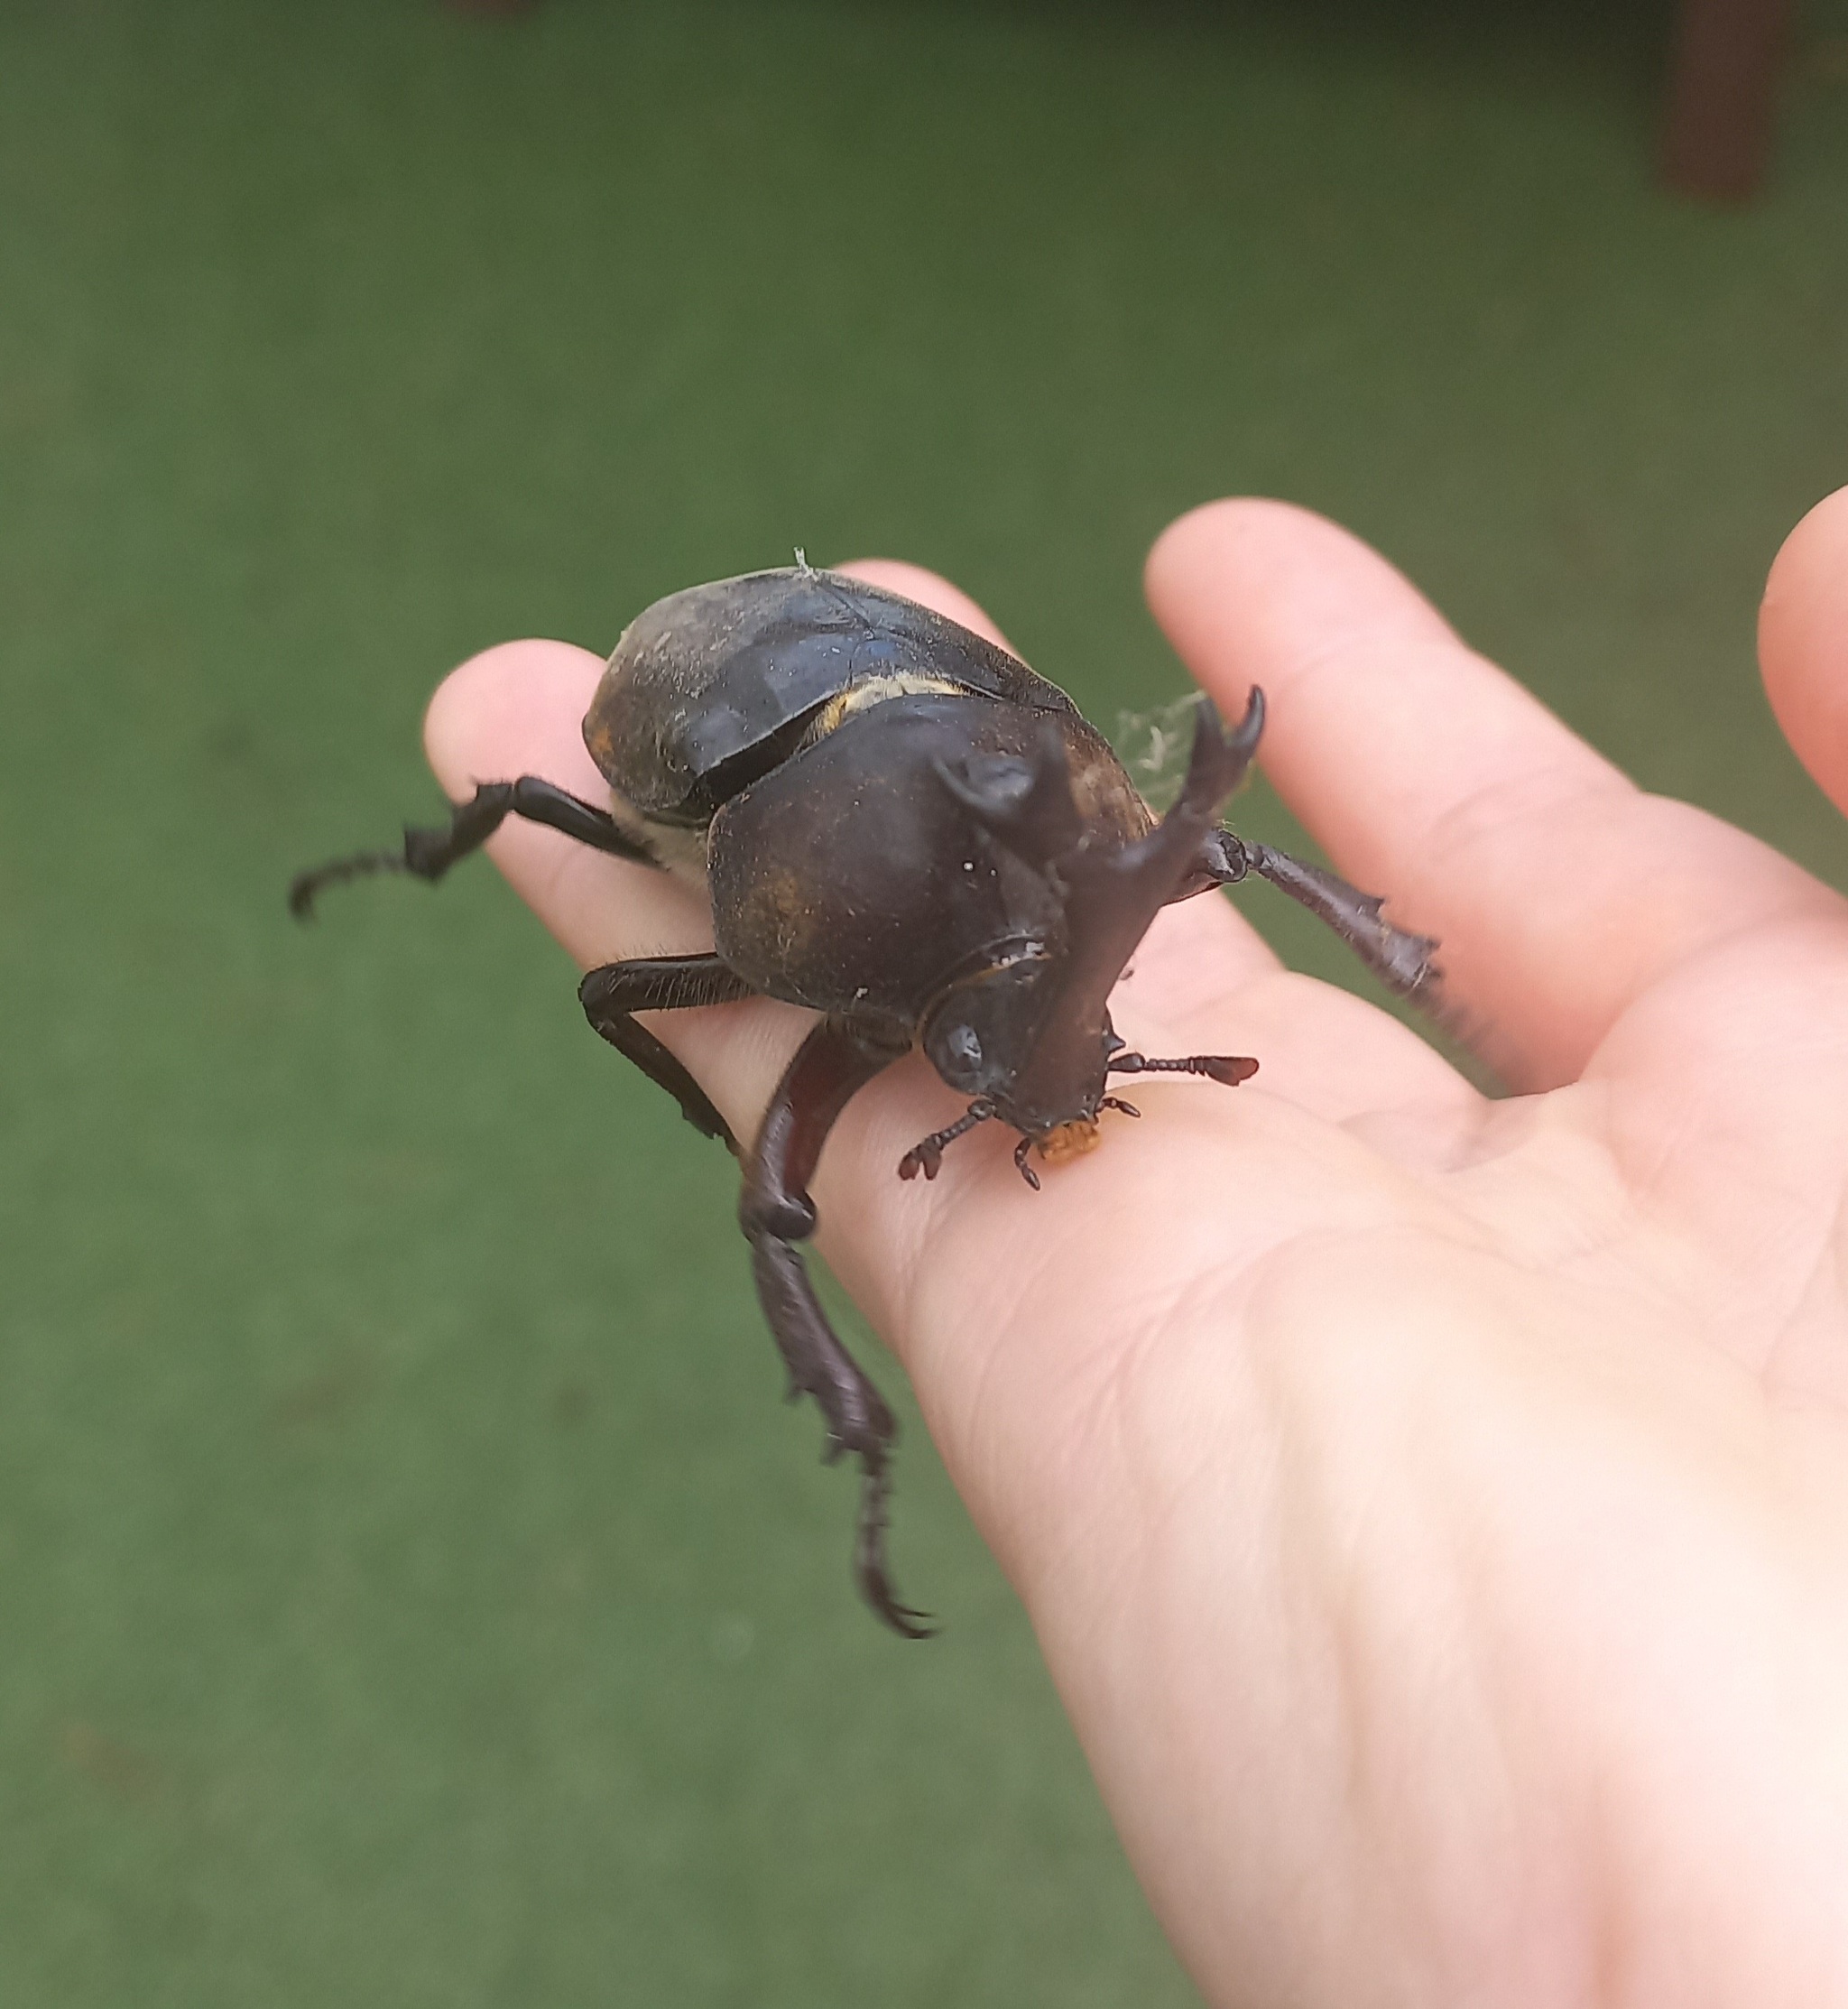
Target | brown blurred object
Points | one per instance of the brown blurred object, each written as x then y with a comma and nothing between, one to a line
1723,95
1727,64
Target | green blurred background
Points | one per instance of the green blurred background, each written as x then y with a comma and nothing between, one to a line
412,1590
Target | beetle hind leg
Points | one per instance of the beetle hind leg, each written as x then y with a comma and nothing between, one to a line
870,1572
428,854
857,1415
776,1214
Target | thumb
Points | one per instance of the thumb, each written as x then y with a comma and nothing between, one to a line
1803,644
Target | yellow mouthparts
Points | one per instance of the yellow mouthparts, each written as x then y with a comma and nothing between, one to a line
1069,1140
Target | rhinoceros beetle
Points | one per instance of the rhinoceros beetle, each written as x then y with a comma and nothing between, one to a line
899,825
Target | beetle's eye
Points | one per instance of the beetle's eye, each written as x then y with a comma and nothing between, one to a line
963,1047
982,1031
956,1053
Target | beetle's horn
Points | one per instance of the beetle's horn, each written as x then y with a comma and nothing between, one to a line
1111,892
1115,894
1026,804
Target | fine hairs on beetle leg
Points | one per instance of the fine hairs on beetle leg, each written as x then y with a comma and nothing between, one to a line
899,825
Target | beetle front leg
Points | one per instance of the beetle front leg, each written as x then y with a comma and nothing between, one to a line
776,1212
926,1155
1227,1069
1401,961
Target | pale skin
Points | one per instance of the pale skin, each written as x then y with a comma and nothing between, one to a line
1433,1510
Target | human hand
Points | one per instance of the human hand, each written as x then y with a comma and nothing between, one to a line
1433,1510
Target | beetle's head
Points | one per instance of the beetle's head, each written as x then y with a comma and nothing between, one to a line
1000,1036
1029,1033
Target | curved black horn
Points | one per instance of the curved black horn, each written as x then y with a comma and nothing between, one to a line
1025,804
1111,893
1116,892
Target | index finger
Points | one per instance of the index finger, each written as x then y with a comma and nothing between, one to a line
1558,890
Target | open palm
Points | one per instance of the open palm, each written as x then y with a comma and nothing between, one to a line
1434,1510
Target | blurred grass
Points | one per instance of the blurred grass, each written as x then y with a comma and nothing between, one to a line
412,1589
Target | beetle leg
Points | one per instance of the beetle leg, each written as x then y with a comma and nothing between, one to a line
1401,961
611,993
428,854
1229,1067
1022,1167
776,1212
926,1155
